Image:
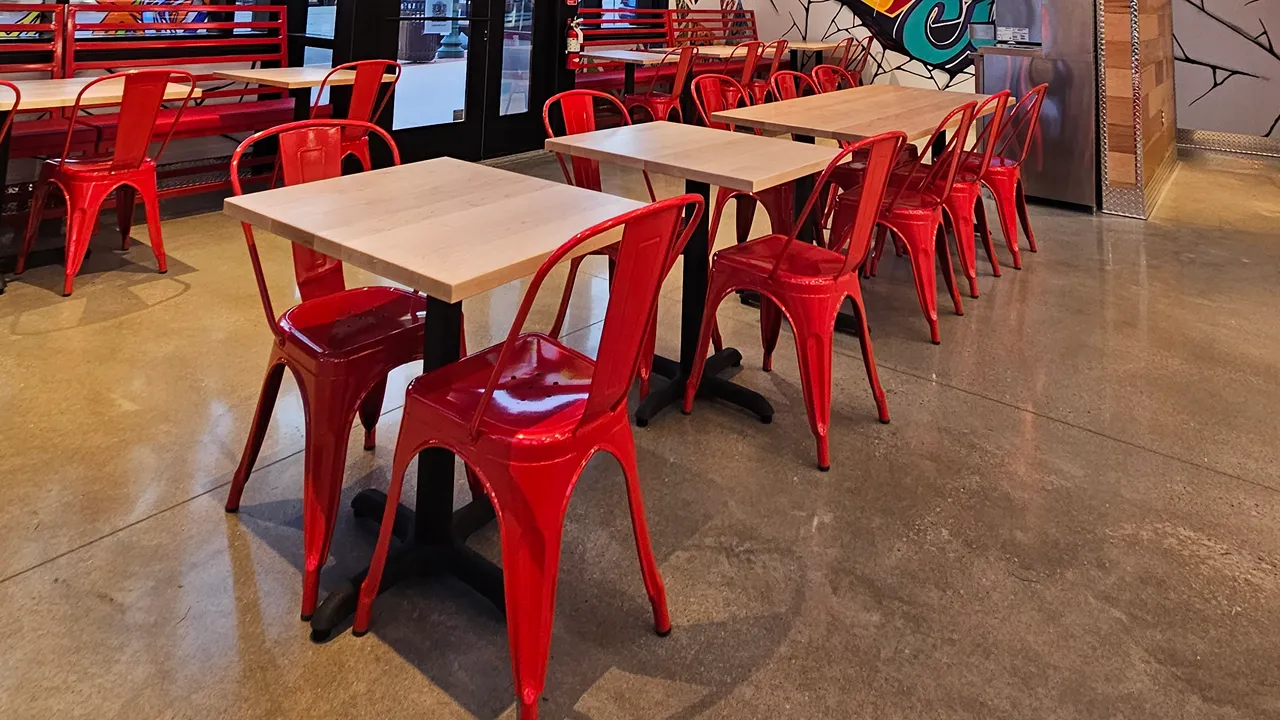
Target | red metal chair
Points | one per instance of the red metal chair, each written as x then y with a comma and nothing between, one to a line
713,93
13,109
339,343
128,170
791,84
750,58
964,202
660,105
578,115
527,415
1003,173
914,212
829,78
808,283
853,57
760,89
369,96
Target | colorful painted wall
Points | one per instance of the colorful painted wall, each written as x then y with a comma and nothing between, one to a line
918,42
1227,67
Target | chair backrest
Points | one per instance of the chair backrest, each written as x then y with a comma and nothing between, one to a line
578,115
852,55
832,77
779,50
750,56
684,65
140,106
25,53
1020,128
937,177
14,108
978,155
310,150
652,238
713,93
858,208
789,85
369,94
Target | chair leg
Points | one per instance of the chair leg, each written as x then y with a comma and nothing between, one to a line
257,433
812,325
770,328
558,325
34,218
406,450
960,213
868,358
980,212
873,263
1006,209
329,412
920,252
715,294
723,196
624,449
948,270
126,196
151,201
83,204
1026,219
370,411
647,349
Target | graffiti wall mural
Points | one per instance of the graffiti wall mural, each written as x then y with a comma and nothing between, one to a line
1226,67
917,42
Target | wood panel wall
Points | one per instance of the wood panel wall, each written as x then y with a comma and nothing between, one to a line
1159,111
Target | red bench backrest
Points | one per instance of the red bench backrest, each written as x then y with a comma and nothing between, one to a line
39,54
709,27
115,42
623,26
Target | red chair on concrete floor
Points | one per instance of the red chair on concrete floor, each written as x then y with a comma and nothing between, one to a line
829,78
660,105
1003,173
527,415
578,115
128,170
713,93
791,84
915,212
339,343
808,283
369,96
964,202
760,88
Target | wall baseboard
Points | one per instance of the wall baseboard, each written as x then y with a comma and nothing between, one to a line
1228,142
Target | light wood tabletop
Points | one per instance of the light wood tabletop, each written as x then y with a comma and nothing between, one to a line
61,92
734,160
292,78
812,45
634,57
448,228
855,113
716,52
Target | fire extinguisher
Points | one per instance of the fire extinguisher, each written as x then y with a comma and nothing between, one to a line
573,40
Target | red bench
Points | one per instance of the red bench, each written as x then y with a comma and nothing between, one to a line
95,46
644,29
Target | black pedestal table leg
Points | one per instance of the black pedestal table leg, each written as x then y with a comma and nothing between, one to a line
795,60
804,188
693,301
628,79
301,103
436,545
688,113
939,145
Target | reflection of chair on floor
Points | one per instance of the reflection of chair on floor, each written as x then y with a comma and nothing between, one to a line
515,74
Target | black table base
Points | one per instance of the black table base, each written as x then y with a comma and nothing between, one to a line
432,539
693,302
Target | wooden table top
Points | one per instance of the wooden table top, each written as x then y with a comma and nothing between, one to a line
855,113
715,52
812,45
292,78
633,57
61,92
448,228
718,157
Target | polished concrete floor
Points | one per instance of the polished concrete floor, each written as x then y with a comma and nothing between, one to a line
1074,514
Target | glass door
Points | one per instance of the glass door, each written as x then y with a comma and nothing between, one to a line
468,87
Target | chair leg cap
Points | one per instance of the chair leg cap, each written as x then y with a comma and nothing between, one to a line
359,633
306,617
662,633
767,419
231,510
824,468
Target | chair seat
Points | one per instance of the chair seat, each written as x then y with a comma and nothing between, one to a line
89,169
349,322
32,138
803,262
544,389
